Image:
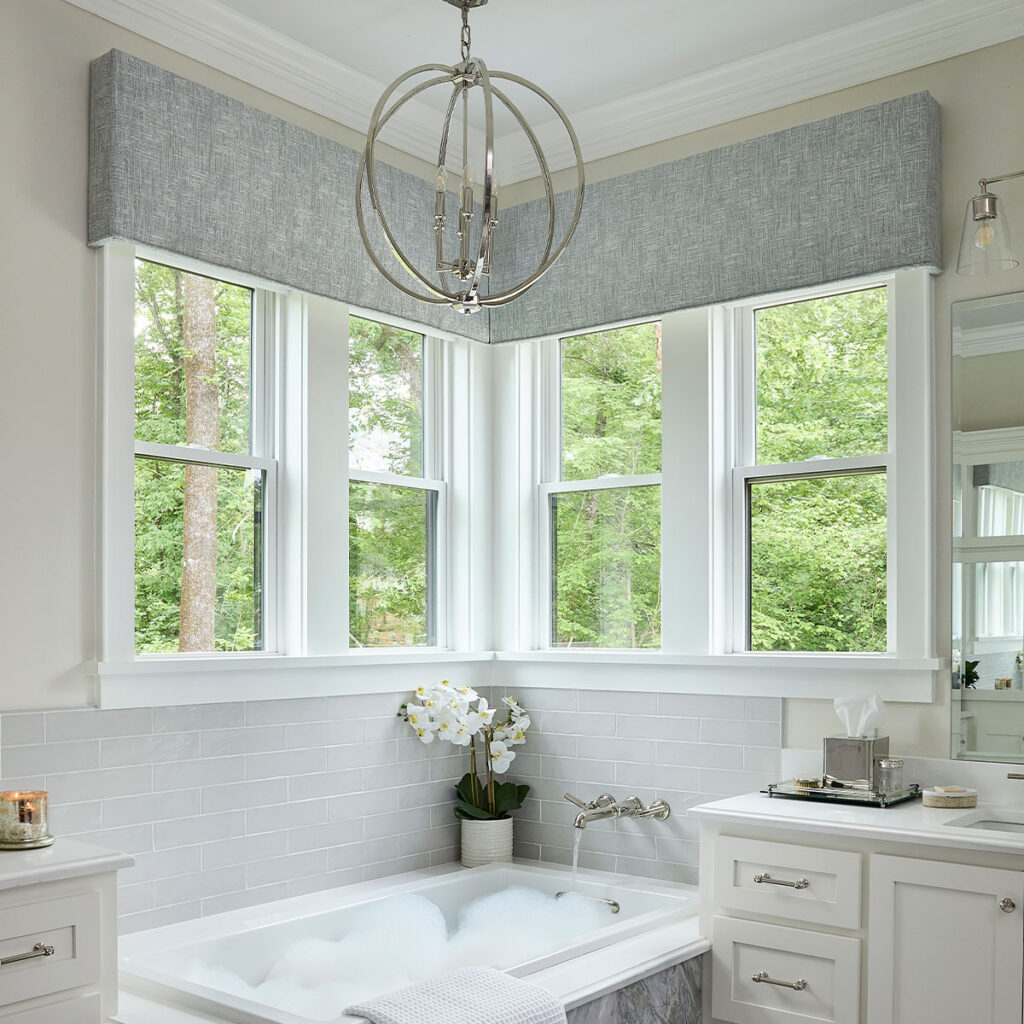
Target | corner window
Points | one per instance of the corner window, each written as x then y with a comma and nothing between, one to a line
811,500
202,478
396,497
604,505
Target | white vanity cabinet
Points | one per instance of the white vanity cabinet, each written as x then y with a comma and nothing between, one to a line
946,942
58,934
844,915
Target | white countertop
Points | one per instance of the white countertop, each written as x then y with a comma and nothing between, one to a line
67,858
909,822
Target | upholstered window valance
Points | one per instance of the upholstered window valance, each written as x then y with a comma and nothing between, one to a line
182,168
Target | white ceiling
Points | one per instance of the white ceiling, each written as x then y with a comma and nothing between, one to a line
584,52
627,73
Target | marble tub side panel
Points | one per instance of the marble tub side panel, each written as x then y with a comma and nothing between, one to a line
672,996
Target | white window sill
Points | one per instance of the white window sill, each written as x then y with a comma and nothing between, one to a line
783,674
202,679
154,681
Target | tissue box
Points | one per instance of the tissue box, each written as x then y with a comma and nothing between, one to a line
850,760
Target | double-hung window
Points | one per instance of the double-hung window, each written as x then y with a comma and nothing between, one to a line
810,489
396,491
204,479
602,501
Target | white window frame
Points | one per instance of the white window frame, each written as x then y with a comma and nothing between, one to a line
436,457
746,472
699,654
551,484
301,413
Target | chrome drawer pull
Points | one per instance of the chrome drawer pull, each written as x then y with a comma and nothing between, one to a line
762,977
37,950
766,879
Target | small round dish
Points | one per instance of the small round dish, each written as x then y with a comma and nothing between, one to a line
968,798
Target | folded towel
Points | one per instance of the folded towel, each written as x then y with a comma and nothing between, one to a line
470,995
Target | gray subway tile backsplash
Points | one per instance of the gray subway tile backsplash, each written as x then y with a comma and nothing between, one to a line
229,805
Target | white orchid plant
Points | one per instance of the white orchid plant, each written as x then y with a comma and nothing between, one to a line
460,716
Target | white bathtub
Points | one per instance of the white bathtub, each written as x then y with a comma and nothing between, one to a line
161,964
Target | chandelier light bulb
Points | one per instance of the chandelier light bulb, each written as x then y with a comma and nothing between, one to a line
464,244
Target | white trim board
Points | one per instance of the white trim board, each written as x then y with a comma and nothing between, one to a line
924,33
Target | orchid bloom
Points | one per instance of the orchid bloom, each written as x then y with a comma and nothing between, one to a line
501,757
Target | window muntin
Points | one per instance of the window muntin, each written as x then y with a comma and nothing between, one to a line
201,490
396,489
810,504
603,531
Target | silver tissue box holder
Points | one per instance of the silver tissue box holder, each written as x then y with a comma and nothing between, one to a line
850,761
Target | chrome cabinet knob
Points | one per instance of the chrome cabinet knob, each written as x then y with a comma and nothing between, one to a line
1007,906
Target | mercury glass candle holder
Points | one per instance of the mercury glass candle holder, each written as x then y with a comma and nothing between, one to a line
24,819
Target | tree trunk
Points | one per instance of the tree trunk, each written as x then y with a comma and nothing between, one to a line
202,427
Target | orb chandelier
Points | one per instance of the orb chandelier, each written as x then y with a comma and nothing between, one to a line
463,252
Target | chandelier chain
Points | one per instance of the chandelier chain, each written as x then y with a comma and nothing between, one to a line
467,37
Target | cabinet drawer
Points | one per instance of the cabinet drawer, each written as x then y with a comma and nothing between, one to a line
824,884
825,969
71,926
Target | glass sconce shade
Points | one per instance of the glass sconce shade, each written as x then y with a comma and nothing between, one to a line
985,245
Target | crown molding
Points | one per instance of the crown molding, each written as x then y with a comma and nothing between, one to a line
220,37
911,37
927,32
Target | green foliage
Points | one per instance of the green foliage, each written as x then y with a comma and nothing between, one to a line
606,544
472,802
970,676
611,403
389,526
818,547
389,564
385,399
159,496
822,373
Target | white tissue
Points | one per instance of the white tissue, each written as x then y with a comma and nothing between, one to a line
861,716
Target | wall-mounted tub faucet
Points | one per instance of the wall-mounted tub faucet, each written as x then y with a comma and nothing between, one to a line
606,806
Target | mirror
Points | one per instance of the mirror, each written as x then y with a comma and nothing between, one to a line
988,529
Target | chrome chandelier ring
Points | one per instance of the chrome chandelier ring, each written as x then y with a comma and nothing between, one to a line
459,281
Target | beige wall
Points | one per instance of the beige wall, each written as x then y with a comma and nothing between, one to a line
48,323
48,338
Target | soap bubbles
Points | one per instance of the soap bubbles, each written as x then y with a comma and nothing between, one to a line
394,942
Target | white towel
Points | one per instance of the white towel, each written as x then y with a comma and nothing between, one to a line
470,995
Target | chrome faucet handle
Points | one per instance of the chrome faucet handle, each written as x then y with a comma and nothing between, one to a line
1014,775
659,810
604,800
577,801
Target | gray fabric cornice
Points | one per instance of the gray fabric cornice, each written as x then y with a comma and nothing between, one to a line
179,167
855,194
182,168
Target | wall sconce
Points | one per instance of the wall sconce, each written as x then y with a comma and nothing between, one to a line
986,246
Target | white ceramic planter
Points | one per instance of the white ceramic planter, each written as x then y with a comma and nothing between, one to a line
486,842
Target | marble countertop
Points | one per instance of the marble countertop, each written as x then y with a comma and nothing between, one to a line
67,858
910,822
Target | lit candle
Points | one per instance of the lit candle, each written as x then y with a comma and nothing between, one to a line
24,819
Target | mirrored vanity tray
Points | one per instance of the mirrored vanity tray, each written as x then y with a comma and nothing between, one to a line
837,795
